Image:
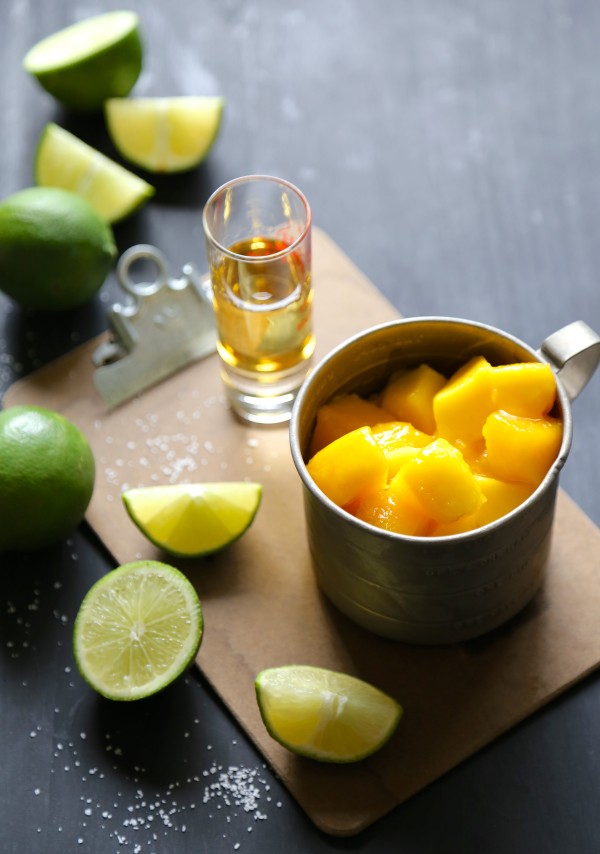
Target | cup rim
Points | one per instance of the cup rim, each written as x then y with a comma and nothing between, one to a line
428,542
246,179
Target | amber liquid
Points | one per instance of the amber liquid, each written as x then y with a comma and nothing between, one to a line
263,309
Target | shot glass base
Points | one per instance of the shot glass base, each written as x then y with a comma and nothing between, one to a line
260,410
262,404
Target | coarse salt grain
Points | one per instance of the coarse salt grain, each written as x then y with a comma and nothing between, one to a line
229,789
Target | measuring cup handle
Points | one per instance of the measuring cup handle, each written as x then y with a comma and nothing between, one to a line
574,352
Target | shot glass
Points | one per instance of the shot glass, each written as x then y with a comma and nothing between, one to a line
258,244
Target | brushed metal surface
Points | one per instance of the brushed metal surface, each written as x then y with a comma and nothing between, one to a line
423,590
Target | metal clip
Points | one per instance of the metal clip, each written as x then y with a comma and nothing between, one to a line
168,324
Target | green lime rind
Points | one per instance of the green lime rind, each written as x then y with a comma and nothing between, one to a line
125,626
213,523
84,79
386,717
63,160
55,249
47,474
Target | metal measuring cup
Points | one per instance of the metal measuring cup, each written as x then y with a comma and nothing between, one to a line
435,590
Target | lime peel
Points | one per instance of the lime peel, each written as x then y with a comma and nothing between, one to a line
55,249
193,520
90,61
138,628
47,474
325,715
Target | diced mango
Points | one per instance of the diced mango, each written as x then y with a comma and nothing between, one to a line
398,457
394,508
342,415
400,442
526,388
349,467
409,396
462,405
501,498
521,449
494,441
473,454
398,434
442,482
394,434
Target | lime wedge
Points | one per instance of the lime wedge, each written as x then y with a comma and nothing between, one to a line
193,519
63,160
325,715
90,61
164,134
138,629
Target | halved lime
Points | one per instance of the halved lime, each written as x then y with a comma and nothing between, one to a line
164,134
63,160
325,715
138,629
90,61
193,519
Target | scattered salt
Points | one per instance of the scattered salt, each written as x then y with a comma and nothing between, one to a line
223,793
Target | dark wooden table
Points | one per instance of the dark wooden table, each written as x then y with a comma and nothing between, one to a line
453,151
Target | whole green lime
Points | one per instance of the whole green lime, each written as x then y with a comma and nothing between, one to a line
55,250
47,476
90,61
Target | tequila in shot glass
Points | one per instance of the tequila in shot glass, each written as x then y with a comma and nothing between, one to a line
258,243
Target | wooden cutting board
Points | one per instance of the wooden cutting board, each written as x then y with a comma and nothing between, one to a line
261,604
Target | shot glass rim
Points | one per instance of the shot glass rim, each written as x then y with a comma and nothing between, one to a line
249,258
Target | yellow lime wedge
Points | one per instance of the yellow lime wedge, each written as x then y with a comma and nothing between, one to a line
193,519
63,160
90,61
164,134
325,715
137,630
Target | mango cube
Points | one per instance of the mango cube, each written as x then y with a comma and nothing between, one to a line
349,467
439,457
409,396
442,482
473,454
398,434
398,457
342,415
521,449
394,508
501,498
463,404
400,441
526,388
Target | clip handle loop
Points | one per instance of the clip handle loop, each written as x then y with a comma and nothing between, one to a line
142,252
